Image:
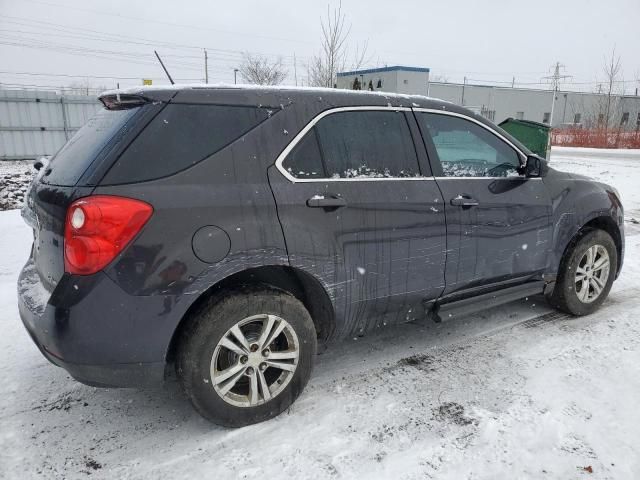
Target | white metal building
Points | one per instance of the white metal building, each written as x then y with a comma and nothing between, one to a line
499,103
397,79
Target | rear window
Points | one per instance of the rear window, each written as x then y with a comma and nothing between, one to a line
367,144
73,159
356,144
180,136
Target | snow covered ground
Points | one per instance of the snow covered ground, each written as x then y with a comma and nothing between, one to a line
513,392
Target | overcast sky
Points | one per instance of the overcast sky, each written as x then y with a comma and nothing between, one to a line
482,40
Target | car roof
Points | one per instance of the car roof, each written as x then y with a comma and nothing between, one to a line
283,96
249,93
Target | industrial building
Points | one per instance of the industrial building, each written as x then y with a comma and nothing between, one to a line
572,109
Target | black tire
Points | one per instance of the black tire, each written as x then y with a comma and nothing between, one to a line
206,329
565,296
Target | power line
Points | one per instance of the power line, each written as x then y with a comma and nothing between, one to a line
84,33
160,22
39,74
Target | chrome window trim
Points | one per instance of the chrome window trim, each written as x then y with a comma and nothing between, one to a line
283,155
523,157
519,177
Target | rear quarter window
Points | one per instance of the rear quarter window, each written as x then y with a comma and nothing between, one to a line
180,136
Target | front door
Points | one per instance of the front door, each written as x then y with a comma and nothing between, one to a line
498,222
359,214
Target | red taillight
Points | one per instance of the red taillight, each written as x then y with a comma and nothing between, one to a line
98,228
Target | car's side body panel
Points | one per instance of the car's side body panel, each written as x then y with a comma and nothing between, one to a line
379,257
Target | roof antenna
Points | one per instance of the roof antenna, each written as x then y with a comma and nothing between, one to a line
164,68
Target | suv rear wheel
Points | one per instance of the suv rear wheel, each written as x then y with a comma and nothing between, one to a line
246,357
586,274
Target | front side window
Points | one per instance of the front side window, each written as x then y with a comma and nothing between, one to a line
356,144
466,149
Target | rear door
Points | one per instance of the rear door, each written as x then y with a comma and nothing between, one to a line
498,221
360,214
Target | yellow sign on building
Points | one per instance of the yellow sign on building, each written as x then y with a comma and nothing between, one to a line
147,81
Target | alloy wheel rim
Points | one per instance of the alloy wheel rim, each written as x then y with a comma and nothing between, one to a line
255,360
592,273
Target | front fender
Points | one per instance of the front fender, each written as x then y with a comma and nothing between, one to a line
577,202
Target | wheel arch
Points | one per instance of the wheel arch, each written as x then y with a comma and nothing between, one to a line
600,222
302,285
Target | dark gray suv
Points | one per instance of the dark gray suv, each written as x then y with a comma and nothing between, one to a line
228,231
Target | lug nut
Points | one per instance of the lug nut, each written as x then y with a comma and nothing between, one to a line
254,347
249,371
266,352
244,359
263,366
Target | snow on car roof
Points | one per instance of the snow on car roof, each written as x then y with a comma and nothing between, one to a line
269,88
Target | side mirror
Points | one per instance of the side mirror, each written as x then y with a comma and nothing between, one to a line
534,166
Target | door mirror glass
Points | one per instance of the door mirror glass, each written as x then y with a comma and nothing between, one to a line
533,167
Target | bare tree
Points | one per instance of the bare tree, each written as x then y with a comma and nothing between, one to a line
612,69
439,78
261,71
84,87
332,58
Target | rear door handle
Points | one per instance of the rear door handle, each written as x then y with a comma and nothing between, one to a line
326,201
464,201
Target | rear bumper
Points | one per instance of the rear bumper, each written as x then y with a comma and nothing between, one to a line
95,331
113,375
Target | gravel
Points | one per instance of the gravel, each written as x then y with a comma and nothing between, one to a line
15,177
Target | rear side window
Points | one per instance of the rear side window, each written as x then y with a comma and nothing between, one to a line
305,160
73,159
181,136
356,144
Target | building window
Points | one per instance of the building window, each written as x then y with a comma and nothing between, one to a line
577,117
520,115
625,118
405,81
600,118
546,117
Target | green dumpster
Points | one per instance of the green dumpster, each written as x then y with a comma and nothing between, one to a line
534,135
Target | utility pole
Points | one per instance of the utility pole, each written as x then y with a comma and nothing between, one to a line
464,84
555,82
206,67
513,82
295,69
235,76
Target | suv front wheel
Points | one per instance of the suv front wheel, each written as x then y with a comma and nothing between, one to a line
246,357
586,274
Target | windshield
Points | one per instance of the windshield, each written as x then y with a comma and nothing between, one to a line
75,156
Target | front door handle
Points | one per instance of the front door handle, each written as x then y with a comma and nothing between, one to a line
464,201
326,201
